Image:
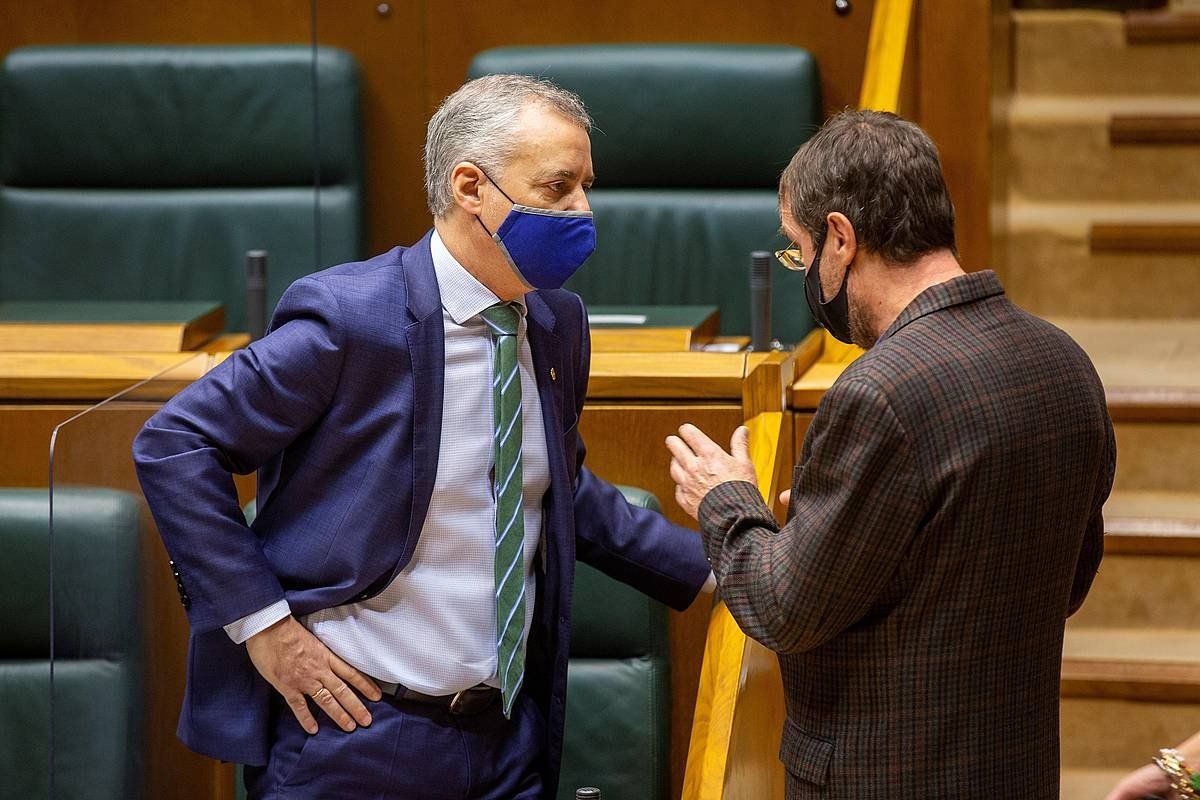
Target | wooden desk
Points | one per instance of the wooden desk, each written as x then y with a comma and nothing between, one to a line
654,329
104,327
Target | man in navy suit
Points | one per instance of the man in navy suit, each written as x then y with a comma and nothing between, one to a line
422,496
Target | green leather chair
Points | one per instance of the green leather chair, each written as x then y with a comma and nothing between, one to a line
146,173
618,728
98,712
688,147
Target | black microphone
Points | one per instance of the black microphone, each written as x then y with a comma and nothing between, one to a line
760,300
256,293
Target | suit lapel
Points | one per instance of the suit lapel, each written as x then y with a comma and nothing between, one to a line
546,348
427,349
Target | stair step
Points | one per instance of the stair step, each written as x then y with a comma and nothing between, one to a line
1150,367
1108,733
1152,523
1051,268
1132,664
1089,52
1061,149
1082,783
1160,27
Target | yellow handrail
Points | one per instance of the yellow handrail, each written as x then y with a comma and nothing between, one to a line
729,659
886,48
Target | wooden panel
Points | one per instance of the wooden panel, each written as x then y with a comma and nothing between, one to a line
1151,27
626,444
954,95
95,376
768,378
698,376
1173,129
458,31
1145,238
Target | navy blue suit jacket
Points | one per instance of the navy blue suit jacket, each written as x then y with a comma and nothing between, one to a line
339,408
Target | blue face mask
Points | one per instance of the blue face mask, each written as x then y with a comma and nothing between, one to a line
543,246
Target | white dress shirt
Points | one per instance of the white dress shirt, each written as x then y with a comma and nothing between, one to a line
433,629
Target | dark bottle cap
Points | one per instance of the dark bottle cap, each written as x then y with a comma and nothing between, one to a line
587,793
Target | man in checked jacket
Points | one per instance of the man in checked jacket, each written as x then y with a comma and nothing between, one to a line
945,517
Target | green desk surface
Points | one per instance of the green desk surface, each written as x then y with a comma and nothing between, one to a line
126,312
656,316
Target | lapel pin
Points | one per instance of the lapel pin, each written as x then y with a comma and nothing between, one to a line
553,374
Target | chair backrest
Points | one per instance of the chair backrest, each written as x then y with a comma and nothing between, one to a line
98,715
146,173
618,688
688,146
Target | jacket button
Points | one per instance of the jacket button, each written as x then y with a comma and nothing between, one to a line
186,601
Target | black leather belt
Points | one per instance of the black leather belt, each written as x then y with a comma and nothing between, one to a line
468,702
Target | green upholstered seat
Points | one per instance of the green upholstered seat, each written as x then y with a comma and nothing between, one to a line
688,147
146,173
98,733
618,686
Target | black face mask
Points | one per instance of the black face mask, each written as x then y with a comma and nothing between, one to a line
832,315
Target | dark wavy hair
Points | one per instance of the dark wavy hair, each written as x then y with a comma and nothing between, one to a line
884,174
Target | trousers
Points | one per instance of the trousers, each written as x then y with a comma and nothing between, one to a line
411,751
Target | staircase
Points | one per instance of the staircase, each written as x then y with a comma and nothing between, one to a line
1103,237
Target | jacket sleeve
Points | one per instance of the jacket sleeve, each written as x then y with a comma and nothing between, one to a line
247,410
857,504
635,545
1092,548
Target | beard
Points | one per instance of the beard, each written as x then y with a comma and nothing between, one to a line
860,326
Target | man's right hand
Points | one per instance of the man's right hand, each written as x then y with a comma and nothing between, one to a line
300,666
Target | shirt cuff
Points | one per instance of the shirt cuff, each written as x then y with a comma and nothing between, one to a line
242,629
710,585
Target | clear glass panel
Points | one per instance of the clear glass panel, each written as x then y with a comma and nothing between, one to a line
97,549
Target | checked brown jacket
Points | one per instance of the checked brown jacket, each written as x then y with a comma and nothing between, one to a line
945,520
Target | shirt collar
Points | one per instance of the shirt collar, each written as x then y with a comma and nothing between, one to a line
463,296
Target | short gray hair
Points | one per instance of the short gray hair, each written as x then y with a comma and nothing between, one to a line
478,124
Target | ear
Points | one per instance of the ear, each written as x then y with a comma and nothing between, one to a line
465,180
841,239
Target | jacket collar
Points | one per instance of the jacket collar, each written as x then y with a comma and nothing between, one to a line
967,288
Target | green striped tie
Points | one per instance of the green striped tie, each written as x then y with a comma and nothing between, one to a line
510,516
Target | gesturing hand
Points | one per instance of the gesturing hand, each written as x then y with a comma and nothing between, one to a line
299,665
698,464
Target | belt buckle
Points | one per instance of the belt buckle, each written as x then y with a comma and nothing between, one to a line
456,702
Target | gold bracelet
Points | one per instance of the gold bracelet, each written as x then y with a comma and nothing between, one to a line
1171,762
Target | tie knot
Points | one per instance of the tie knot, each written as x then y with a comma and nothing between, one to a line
502,318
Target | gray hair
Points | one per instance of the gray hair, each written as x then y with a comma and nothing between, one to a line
478,124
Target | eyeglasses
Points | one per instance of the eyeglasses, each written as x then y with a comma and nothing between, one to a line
791,258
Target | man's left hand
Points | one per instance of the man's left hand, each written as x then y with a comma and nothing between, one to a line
698,464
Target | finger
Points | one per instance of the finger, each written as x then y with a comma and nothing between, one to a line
680,451
697,440
785,497
365,686
332,708
348,700
739,443
299,706
678,473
